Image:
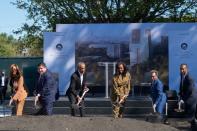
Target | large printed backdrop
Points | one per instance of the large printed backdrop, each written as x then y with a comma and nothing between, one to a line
161,46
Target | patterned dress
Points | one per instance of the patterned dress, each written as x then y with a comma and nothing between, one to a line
119,92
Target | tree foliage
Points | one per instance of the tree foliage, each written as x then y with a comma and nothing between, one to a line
48,13
45,14
8,45
32,44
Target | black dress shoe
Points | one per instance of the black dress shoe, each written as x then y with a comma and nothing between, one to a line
193,122
166,123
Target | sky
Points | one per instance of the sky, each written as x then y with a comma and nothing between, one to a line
11,18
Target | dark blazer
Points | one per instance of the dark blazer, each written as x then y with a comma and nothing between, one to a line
46,86
75,87
188,90
6,80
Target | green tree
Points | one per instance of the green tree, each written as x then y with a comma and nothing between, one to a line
8,45
47,13
183,10
31,44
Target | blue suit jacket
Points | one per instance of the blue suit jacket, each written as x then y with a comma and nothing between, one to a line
46,86
157,91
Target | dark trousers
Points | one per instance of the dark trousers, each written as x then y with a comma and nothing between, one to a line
2,93
191,110
46,107
72,99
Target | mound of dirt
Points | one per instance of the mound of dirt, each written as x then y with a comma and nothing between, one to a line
68,123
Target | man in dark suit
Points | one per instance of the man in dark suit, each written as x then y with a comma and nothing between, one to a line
188,93
76,89
46,89
3,86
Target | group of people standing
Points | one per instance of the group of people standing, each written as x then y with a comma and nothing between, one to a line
187,94
18,90
46,89
121,86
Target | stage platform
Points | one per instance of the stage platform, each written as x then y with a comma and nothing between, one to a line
5,110
136,106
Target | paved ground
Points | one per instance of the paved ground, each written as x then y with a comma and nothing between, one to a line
181,124
93,123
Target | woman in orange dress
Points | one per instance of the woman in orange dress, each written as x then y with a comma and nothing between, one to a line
18,89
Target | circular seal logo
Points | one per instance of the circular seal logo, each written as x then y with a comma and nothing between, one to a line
59,47
184,46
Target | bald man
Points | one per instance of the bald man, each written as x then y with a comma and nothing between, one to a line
188,93
76,89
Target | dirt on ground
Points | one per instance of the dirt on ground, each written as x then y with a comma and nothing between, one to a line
91,123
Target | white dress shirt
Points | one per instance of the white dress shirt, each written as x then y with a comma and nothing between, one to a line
3,81
81,77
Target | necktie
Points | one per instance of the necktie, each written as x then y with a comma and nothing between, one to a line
181,84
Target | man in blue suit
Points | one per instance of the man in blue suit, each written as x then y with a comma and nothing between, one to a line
157,94
46,89
188,93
